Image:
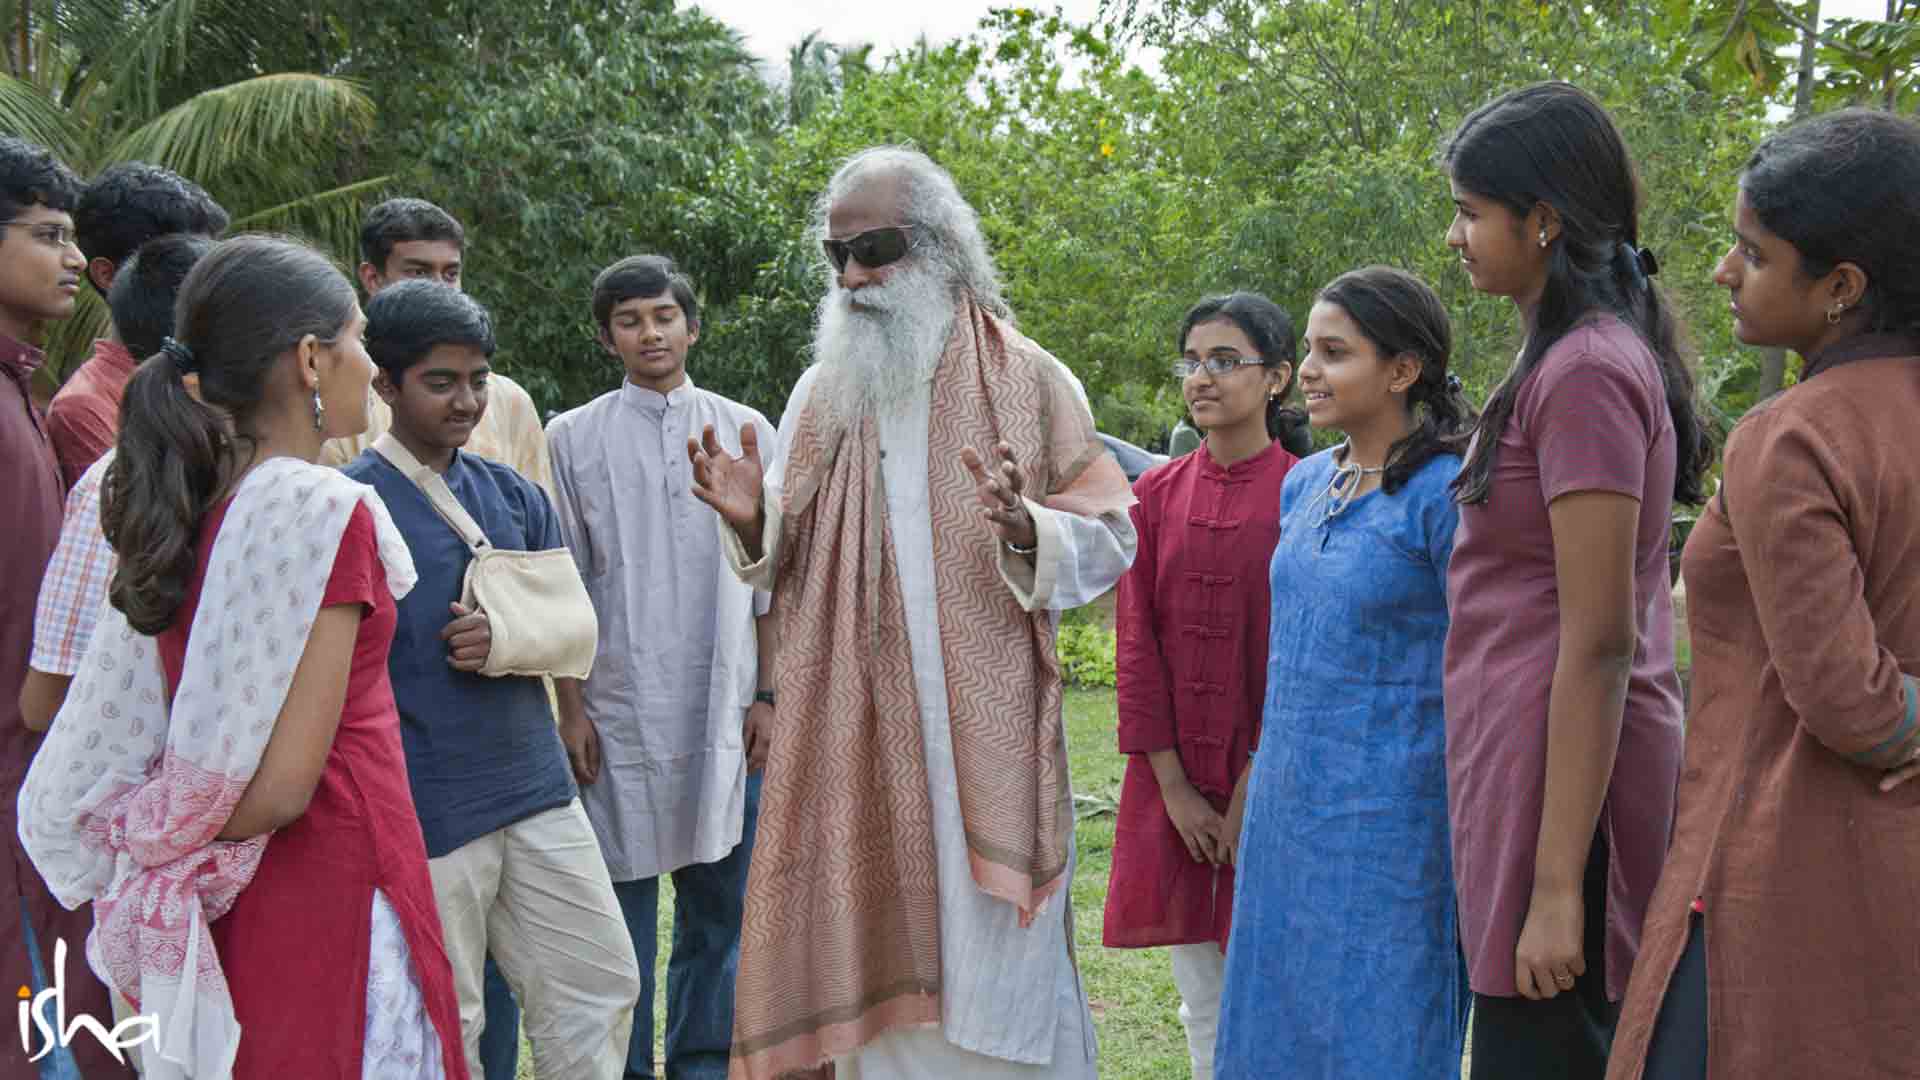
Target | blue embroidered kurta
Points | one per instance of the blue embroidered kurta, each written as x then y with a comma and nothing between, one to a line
1345,955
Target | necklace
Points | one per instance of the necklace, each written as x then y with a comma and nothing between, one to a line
1343,485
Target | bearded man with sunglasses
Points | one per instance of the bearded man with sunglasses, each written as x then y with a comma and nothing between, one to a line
937,496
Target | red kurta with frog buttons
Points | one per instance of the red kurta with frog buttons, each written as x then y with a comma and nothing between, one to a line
1192,671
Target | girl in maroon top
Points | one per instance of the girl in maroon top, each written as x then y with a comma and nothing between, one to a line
332,951
1192,623
1563,707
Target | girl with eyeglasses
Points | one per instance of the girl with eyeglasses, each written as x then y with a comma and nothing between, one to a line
1344,959
1782,940
1563,706
1192,623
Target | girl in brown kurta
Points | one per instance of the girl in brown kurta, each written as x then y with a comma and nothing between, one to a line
1784,937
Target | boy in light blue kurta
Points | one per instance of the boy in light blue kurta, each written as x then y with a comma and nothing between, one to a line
665,732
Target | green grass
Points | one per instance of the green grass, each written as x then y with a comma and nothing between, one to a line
1131,990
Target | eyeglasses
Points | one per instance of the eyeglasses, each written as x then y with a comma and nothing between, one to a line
872,249
1216,365
49,233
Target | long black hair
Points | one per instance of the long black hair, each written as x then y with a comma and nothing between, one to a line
1271,332
1401,315
241,308
1553,143
1845,187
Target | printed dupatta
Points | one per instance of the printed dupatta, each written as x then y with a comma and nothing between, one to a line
125,800
841,935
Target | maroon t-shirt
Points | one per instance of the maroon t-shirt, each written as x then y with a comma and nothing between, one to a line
1592,417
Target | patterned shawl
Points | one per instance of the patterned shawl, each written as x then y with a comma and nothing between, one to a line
841,937
125,800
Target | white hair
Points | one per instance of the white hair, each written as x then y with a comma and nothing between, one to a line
947,228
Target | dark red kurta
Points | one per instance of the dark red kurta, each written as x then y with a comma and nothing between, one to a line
1192,670
294,946
30,503
1803,600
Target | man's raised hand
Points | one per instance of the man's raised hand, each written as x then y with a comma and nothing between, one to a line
731,485
999,489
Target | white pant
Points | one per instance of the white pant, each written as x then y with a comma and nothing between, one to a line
536,894
1200,971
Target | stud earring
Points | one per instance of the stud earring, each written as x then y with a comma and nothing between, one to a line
319,412
1834,313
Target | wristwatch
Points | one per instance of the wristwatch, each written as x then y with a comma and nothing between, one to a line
763,697
1018,550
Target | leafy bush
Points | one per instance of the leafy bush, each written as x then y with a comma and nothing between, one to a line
1086,653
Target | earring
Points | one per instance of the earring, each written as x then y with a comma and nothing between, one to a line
1543,236
319,412
1834,313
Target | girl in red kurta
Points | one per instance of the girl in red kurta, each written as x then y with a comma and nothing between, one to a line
267,811
1191,665
1783,938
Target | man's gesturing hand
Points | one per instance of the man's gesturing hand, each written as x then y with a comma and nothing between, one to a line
999,491
731,485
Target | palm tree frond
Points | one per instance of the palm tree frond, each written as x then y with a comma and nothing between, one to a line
140,51
294,118
26,112
328,219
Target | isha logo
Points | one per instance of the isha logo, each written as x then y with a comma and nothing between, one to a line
59,1032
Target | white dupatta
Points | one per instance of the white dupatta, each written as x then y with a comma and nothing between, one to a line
125,799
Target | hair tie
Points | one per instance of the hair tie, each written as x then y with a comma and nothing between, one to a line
181,356
1641,261
1454,385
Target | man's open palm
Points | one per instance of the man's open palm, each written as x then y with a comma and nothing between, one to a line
731,485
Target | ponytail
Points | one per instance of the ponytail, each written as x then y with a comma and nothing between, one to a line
241,308
173,457
1443,422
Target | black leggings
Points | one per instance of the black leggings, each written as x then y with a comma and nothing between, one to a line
1565,1037
1679,1047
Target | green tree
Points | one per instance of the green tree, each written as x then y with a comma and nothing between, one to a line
566,135
197,87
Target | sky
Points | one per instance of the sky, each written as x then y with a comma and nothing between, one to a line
774,26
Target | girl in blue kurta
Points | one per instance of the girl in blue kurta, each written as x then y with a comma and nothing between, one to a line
1344,959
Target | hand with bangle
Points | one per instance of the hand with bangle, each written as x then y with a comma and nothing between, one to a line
1000,499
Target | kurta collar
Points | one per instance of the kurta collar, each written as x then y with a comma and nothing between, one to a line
1860,347
654,403
1213,469
19,359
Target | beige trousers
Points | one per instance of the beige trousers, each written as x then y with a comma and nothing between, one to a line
536,894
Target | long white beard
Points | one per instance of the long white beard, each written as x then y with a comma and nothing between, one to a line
882,341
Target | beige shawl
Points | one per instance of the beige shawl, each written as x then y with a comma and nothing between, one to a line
841,937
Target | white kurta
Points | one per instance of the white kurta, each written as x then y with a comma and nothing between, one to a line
677,656
1012,1005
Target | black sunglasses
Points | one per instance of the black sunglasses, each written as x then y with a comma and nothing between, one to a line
872,249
